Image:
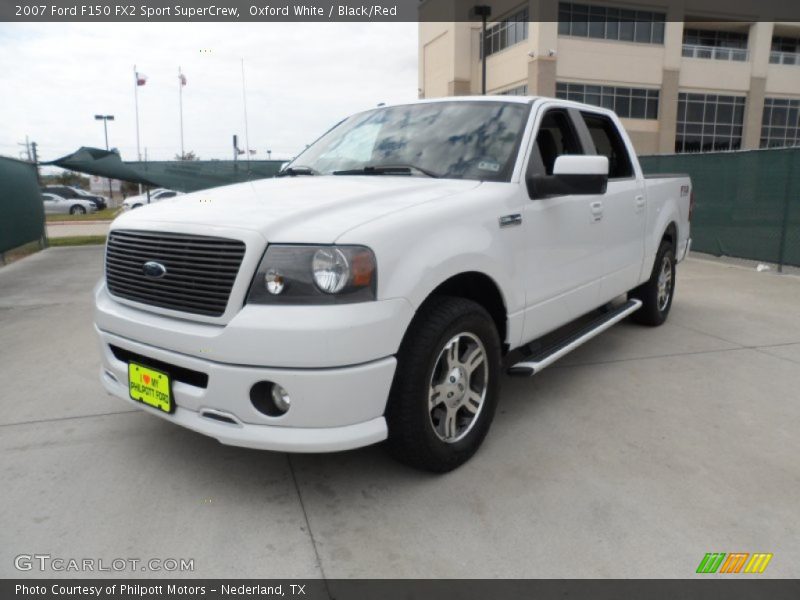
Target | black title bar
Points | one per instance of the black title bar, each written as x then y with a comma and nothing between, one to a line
356,10
702,588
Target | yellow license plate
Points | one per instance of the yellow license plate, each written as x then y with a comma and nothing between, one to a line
150,386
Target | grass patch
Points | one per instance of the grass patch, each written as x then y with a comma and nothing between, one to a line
106,214
77,240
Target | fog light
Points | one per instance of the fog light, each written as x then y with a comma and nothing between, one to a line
281,398
270,399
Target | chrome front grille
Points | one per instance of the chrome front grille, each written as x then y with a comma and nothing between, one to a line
200,270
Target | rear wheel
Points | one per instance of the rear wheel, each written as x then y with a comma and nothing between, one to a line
657,292
77,210
445,388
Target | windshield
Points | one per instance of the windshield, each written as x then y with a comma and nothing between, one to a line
461,140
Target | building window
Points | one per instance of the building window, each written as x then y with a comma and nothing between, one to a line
511,30
609,23
780,125
520,90
709,122
785,51
719,45
628,103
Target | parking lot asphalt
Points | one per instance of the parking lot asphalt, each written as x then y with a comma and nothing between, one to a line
632,457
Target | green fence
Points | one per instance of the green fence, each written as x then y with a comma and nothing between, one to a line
747,203
21,210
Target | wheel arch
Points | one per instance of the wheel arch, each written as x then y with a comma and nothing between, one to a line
480,288
671,234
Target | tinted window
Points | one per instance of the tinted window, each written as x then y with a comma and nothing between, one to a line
556,136
608,142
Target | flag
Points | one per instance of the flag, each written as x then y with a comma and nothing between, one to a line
141,79
182,77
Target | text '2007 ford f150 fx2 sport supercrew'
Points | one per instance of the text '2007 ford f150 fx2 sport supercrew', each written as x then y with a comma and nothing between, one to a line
379,287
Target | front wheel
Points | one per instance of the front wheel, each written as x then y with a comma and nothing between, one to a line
445,388
77,210
657,292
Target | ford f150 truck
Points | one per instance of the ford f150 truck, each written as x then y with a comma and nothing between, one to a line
379,288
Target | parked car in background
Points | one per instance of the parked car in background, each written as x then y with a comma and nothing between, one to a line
156,195
101,202
56,205
70,192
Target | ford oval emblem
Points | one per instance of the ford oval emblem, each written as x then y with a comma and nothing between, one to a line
154,270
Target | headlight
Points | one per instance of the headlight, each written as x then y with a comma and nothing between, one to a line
331,269
290,274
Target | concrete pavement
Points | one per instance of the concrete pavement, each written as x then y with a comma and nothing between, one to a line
632,457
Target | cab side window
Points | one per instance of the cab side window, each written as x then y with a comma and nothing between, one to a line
608,142
556,137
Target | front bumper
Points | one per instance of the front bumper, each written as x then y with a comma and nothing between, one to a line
332,408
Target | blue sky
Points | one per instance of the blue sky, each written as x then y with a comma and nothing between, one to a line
301,79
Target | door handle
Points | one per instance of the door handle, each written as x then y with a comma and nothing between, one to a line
639,203
597,210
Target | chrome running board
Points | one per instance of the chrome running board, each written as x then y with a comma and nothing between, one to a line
547,356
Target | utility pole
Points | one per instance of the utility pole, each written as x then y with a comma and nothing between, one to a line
244,104
145,167
27,151
181,83
35,158
136,84
105,119
33,155
484,12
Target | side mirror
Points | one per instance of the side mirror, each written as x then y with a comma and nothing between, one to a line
572,175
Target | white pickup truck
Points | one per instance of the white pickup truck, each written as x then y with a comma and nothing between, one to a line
379,288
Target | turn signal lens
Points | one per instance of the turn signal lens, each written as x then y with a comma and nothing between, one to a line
362,269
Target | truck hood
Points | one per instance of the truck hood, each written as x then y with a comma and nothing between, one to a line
300,209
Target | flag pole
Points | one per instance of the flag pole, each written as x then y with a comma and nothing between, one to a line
244,102
180,102
136,102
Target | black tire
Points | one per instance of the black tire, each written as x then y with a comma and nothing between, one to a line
413,436
77,210
655,308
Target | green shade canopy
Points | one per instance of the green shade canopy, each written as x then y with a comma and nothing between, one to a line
184,176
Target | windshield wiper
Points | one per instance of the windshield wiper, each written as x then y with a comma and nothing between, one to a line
294,171
387,170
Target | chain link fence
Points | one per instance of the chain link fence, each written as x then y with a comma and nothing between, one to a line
747,202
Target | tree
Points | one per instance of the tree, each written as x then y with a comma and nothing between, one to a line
67,178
